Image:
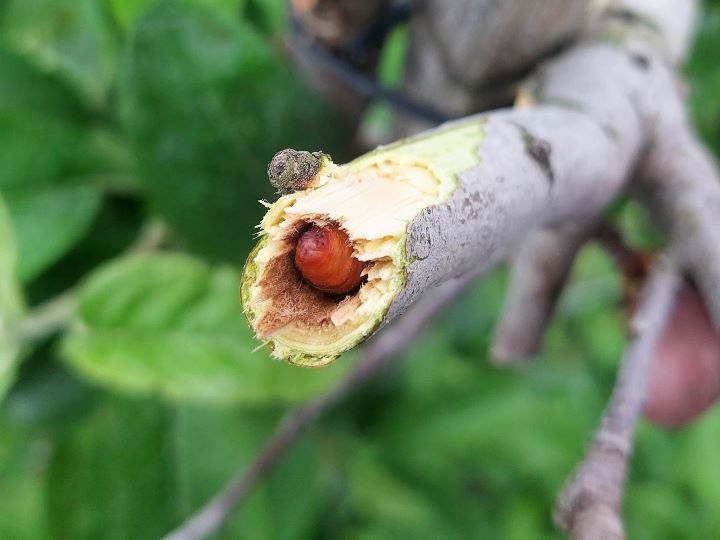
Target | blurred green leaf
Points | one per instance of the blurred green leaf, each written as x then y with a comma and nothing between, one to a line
128,12
23,462
209,104
11,304
117,225
24,87
637,226
38,152
170,325
378,117
602,335
658,511
284,504
49,222
113,476
523,520
392,58
136,469
519,431
46,159
704,75
699,467
379,496
46,395
486,430
70,37
267,16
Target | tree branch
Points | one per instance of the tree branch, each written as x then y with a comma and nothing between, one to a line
589,505
469,55
538,274
335,25
375,356
459,198
681,186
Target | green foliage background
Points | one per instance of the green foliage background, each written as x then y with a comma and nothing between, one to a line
115,114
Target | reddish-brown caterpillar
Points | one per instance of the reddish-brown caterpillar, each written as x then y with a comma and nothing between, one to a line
324,256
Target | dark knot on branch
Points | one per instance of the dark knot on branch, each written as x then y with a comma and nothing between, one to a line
293,170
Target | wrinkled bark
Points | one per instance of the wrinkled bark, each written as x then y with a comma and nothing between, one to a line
462,56
599,108
604,109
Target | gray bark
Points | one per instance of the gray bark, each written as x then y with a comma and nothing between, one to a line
599,106
589,505
463,56
681,185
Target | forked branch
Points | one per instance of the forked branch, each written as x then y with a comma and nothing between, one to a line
589,506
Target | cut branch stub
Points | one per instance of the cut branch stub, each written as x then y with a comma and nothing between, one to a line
372,201
294,170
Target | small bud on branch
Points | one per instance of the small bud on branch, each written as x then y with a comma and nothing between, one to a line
293,170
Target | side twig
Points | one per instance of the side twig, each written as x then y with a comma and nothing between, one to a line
376,355
46,319
538,273
588,508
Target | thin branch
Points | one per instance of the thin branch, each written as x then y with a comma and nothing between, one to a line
560,161
539,270
55,314
151,238
47,319
599,109
589,505
376,355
